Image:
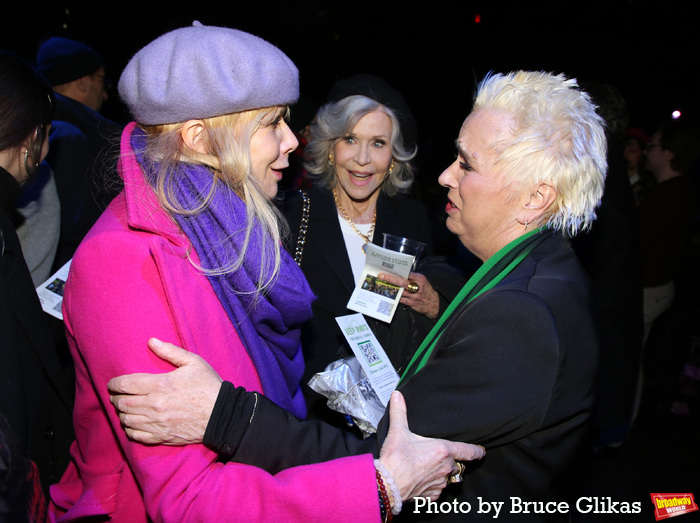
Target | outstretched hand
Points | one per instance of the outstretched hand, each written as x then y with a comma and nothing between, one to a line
420,466
172,408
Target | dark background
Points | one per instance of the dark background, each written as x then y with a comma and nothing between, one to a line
433,52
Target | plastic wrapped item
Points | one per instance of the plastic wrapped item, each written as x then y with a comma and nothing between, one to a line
350,392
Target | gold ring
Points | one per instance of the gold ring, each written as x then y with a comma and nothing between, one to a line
454,478
412,287
457,476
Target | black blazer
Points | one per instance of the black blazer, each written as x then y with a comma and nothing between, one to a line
514,370
326,265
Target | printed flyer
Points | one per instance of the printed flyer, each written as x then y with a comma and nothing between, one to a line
374,297
373,360
51,292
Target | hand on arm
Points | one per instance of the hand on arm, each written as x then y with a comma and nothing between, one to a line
420,466
171,408
174,409
425,301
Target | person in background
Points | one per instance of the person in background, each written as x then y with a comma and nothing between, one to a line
36,393
512,362
190,251
668,221
667,213
609,252
639,176
80,137
359,166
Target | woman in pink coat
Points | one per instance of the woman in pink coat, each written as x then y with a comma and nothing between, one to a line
190,252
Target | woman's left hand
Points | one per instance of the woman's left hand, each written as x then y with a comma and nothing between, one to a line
425,300
420,466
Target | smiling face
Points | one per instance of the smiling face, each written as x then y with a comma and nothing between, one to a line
270,146
362,158
479,210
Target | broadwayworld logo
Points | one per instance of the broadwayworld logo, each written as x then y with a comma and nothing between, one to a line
670,505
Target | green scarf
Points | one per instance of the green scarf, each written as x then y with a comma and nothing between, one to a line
491,272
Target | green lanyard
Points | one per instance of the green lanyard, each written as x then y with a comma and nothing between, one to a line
491,272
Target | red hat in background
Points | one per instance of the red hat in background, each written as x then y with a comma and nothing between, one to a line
638,133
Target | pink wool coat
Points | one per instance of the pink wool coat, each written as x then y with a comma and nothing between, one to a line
130,280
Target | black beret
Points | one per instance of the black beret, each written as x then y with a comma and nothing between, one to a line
378,89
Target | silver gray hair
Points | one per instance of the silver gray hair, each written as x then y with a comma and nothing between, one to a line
334,121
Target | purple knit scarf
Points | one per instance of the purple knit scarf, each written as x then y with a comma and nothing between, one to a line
268,323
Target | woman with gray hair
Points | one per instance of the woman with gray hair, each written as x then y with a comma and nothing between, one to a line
337,120
512,362
360,153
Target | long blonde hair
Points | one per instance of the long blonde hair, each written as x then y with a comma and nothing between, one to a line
227,142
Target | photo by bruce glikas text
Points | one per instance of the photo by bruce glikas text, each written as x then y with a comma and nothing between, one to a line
583,505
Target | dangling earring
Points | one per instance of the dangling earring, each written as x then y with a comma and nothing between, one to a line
526,225
29,169
392,166
330,158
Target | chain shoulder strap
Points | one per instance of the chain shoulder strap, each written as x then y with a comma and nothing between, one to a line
303,227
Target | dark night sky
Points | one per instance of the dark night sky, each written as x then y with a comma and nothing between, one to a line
433,52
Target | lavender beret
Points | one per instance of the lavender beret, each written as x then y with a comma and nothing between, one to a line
204,71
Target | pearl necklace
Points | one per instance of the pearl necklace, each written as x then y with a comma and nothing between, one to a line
367,237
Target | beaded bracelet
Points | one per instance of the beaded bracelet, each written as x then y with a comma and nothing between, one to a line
392,485
384,504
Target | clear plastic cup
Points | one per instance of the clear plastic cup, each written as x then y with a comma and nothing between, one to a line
404,245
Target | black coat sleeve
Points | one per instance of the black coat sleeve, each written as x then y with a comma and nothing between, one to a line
246,427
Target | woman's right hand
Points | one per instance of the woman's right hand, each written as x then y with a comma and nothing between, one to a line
420,466
425,300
